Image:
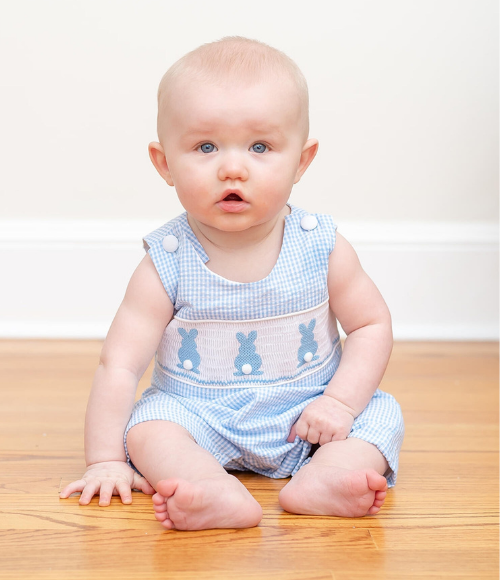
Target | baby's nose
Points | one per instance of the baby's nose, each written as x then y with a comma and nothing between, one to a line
232,166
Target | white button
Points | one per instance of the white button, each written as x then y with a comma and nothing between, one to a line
308,222
187,364
308,356
247,369
170,243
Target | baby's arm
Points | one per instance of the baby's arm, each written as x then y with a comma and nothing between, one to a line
128,349
365,318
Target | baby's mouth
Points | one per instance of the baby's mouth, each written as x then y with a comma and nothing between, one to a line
232,203
233,197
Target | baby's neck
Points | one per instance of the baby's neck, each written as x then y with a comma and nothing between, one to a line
246,256
234,242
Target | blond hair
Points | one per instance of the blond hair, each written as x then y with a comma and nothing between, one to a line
234,57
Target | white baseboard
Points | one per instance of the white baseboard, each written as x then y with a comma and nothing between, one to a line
65,279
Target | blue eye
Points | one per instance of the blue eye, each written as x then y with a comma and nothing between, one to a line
207,148
259,148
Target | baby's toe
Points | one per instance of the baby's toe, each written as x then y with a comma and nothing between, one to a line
161,516
160,509
168,524
376,482
158,499
378,502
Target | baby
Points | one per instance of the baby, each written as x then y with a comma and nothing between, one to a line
239,297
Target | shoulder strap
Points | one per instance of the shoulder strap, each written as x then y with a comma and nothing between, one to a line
165,258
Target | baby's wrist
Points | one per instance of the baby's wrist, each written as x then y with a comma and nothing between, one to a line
341,404
100,460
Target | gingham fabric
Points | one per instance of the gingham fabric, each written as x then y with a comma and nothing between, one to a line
296,283
245,418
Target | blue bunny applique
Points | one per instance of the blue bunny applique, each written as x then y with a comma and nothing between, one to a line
248,361
308,346
188,355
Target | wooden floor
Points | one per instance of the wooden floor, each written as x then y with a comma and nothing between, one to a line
440,521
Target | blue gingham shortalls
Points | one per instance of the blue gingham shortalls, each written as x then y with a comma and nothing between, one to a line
239,362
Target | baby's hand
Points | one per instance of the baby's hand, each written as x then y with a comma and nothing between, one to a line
322,421
106,479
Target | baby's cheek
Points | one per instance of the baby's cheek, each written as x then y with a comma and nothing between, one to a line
194,190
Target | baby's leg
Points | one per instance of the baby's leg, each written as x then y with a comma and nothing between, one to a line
194,492
343,478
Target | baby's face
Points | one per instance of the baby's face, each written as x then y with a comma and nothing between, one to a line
233,151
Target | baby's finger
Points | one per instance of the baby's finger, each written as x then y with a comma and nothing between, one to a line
291,437
72,488
143,484
105,493
326,437
313,435
301,429
89,491
340,435
123,489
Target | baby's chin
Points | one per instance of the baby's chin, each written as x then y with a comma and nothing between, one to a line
229,224
250,220
227,221
242,224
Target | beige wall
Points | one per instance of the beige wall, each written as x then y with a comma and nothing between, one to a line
404,101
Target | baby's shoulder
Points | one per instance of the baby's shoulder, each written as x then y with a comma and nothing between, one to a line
314,229
162,246
165,234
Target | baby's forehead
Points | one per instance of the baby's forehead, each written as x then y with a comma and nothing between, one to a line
263,103
207,80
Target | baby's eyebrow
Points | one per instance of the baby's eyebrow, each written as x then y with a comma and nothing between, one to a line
271,131
257,131
198,130
265,128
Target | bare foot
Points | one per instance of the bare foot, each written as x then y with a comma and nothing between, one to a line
218,502
319,489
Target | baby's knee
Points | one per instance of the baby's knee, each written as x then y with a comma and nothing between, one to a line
143,434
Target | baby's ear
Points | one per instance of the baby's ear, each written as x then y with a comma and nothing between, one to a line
157,156
307,155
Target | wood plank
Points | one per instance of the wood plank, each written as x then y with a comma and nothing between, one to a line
260,551
197,575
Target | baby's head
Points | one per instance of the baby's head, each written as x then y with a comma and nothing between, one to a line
234,61
233,123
